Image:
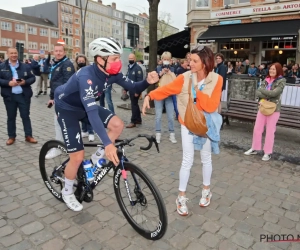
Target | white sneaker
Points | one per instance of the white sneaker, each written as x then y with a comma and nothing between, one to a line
84,134
172,138
266,157
205,199
52,153
182,208
158,136
91,137
96,156
251,152
72,202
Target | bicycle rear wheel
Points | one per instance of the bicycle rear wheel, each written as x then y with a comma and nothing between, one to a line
52,170
146,213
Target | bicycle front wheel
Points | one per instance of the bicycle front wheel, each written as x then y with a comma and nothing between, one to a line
140,201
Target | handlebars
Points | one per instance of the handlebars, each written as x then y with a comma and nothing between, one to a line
127,142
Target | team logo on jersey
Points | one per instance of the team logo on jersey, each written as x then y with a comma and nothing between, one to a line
78,137
89,93
89,81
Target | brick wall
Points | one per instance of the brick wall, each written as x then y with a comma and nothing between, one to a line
278,18
217,4
257,1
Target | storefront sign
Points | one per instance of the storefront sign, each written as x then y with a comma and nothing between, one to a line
280,7
230,22
241,39
206,41
282,38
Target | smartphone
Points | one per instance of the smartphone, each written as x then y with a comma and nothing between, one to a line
19,80
50,105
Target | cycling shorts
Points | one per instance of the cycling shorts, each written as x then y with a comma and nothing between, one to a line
69,124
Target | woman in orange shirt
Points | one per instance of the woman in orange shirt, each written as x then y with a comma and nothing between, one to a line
208,87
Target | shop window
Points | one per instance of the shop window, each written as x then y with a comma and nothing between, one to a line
288,44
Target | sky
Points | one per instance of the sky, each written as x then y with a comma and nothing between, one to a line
177,8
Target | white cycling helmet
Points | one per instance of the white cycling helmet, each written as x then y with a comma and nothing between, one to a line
105,47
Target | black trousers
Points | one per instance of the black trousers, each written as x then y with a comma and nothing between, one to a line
18,101
135,109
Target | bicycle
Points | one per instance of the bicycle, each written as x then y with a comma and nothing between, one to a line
136,197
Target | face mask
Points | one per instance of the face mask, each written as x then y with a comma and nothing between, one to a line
166,63
80,65
131,61
115,68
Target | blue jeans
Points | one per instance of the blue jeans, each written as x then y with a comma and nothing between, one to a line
174,98
85,127
108,99
170,112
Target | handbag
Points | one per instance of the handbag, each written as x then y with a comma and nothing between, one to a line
194,118
267,108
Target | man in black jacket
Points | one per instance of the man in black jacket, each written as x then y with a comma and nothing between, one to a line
135,74
15,80
60,72
221,68
182,68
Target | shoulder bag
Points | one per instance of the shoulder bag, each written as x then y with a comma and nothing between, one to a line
194,118
267,108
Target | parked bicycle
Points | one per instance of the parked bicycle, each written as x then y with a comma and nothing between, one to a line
141,204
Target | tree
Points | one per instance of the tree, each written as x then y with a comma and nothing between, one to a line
153,17
138,55
164,21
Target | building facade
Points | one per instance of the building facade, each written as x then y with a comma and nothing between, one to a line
64,16
263,31
37,34
99,20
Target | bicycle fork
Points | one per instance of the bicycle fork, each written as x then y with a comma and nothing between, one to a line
124,176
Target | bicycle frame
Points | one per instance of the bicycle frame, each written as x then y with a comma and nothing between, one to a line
100,173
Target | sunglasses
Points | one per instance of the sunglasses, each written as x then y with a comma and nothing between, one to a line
201,48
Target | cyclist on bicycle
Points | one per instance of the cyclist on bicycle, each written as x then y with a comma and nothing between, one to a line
76,101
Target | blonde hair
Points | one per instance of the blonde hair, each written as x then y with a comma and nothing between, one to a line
166,55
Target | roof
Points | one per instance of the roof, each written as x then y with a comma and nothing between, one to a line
257,29
25,18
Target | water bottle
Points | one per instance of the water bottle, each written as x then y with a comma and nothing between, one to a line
98,165
88,170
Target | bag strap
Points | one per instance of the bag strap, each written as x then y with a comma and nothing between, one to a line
190,85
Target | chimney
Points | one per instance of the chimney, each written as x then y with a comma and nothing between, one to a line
100,1
113,5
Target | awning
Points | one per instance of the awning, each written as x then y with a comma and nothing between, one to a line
251,31
174,44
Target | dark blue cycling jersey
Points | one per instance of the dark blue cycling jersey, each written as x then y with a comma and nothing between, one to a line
81,90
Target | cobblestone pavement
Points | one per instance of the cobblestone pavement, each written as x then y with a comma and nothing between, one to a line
250,197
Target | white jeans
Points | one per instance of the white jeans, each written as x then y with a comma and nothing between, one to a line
36,85
58,133
188,159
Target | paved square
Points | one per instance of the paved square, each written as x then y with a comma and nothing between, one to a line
250,197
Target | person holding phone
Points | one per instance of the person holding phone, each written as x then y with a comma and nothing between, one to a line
15,81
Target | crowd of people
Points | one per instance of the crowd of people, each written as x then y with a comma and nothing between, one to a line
261,71
75,89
